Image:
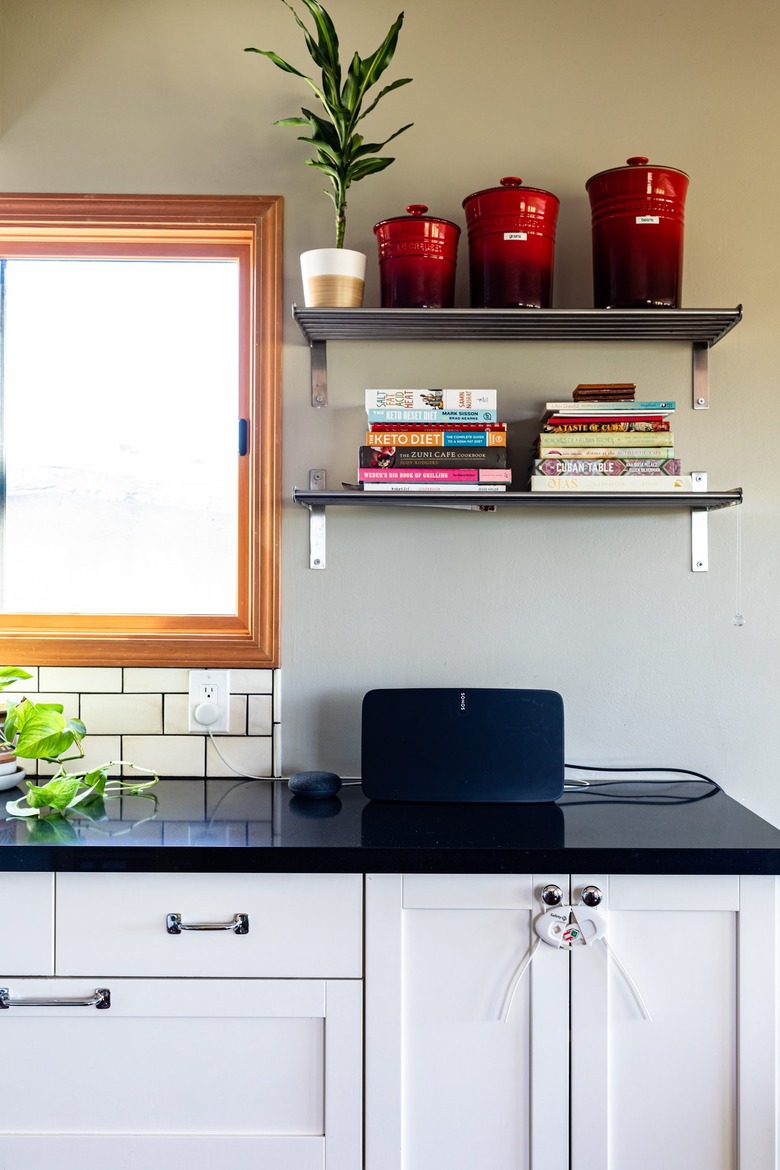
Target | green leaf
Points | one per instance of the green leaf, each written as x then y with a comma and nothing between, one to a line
367,166
387,89
58,793
373,147
10,674
46,734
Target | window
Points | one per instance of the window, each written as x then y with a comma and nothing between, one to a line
140,381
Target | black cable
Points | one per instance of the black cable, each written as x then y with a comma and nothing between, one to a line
589,786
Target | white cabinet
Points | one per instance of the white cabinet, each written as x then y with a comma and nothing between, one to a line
215,1047
653,1049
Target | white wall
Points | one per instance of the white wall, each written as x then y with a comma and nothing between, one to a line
157,96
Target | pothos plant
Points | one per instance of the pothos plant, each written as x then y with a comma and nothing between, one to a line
340,151
40,731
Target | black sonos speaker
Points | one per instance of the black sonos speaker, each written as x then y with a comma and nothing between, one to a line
462,744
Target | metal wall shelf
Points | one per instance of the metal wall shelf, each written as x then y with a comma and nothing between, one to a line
317,498
701,328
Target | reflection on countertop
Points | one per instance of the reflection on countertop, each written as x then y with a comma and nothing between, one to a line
255,825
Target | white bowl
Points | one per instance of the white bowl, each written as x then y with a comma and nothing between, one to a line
11,781
10,766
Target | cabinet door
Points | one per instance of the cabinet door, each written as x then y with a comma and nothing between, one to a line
245,1074
678,1070
453,1078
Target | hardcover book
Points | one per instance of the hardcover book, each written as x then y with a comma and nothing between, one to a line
436,438
434,487
611,439
432,416
607,424
560,452
607,467
611,483
620,408
445,475
392,456
431,399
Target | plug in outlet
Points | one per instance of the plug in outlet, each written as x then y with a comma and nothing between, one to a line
210,695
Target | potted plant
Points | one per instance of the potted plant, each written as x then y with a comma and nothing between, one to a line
340,151
40,731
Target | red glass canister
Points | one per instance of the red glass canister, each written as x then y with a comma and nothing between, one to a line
511,246
637,214
417,258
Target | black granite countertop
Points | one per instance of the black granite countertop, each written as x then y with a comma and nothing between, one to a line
195,825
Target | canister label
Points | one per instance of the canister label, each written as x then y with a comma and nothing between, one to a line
648,219
515,235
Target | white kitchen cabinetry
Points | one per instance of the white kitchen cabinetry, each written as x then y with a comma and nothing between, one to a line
242,1050
670,1060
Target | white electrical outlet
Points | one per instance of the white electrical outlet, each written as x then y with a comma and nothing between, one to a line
210,698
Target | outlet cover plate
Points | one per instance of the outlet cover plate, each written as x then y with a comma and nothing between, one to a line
209,686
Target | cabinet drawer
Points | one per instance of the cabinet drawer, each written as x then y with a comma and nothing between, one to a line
247,1073
27,923
299,925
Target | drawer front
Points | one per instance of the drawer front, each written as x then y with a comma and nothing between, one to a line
298,925
246,1073
27,923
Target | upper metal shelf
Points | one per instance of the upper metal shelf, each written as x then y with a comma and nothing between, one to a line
701,328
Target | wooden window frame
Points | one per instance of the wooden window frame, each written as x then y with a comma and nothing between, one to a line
251,228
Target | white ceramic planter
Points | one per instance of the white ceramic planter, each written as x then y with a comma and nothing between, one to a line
333,278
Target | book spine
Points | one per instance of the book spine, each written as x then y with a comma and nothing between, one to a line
607,467
392,456
611,483
445,475
559,452
609,407
616,439
432,416
436,487
431,400
417,426
602,426
442,438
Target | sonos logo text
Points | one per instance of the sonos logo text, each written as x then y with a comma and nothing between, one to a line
463,700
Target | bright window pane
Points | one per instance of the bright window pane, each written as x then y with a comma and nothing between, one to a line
120,403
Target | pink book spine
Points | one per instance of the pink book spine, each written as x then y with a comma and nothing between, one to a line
435,475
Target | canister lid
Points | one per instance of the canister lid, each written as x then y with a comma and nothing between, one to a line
509,183
416,214
635,163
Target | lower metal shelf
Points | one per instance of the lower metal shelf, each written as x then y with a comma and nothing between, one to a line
699,502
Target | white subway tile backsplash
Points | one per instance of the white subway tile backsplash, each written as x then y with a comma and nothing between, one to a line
163,678
251,682
251,756
168,755
80,678
122,714
140,715
260,715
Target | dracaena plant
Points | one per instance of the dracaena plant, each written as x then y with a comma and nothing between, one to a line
340,150
40,731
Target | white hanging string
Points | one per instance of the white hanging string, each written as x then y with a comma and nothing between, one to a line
637,995
514,983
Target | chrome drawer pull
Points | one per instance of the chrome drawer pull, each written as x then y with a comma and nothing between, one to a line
239,925
101,1000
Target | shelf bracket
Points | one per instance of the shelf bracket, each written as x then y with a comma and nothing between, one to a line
317,483
699,534
701,381
319,373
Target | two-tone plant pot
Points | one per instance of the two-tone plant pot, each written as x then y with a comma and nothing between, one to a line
333,278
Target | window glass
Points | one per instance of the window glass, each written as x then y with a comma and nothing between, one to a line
134,522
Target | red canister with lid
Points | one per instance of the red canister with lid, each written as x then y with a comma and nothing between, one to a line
417,258
637,215
511,246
